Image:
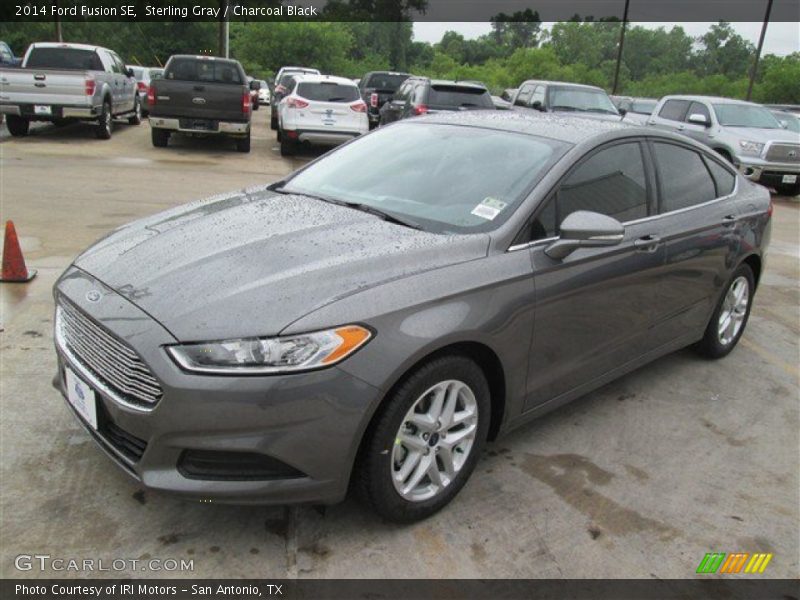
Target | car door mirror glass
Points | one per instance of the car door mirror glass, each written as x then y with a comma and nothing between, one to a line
699,119
129,72
537,104
585,229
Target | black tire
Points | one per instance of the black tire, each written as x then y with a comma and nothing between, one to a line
711,346
789,189
136,117
160,137
288,147
104,123
278,134
256,105
18,126
373,474
243,144
273,121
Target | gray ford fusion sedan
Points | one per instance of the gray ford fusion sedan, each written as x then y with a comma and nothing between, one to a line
372,319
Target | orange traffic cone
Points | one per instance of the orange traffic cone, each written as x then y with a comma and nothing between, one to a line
14,269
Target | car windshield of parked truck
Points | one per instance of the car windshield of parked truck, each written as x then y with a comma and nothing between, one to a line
580,99
744,115
643,107
459,97
200,69
71,59
443,178
327,91
385,81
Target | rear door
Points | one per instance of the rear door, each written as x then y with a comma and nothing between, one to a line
594,307
202,89
695,130
329,106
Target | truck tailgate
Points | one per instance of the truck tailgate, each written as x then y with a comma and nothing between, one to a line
45,86
199,100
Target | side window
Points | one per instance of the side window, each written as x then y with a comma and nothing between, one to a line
113,63
674,110
402,92
545,225
524,95
685,180
697,108
419,94
538,94
725,179
611,182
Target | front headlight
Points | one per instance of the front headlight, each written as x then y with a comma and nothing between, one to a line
751,148
271,355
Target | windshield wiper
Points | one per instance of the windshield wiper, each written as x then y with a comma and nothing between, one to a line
388,217
600,110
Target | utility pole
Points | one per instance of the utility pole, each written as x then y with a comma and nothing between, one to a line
621,45
59,33
754,70
224,39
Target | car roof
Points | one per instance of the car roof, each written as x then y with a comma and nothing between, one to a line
232,61
717,99
564,83
311,78
371,73
452,82
571,129
310,70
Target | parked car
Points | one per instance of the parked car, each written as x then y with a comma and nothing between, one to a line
746,134
320,110
263,92
369,321
255,87
420,96
788,120
61,83
201,95
377,88
636,110
283,83
7,58
144,75
563,97
508,94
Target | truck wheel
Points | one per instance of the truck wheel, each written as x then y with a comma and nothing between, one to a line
256,105
243,144
160,137
104,123
288,147
18,126
136,118
789,189
278,136
273,121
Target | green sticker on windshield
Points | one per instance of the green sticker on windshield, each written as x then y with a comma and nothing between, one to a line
489,208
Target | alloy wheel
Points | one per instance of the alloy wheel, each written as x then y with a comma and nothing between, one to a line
734,310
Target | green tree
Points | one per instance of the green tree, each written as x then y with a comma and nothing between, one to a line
724,51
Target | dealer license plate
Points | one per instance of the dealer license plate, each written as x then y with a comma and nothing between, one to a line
789,179
41,109
82,398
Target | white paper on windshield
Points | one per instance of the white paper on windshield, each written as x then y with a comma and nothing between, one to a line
489,208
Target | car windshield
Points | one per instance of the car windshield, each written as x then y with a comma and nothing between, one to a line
385,81
445,178
327,91
580,99
201,69
643,107
72,59
744,115
459,97
792,122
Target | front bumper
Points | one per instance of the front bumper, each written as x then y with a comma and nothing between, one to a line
221,127
765,172
311,422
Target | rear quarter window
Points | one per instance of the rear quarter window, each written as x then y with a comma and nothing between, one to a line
724,179
685,180
457,96
327,92
212,71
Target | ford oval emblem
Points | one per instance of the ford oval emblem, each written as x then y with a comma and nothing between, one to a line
93,296
792,153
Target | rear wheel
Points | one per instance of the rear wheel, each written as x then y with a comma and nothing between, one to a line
243,144
104,123
730,317
160,137
288,147
18,126
424,445
789,189
136,117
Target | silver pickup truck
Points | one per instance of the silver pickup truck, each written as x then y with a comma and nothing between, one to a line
746,134
62,83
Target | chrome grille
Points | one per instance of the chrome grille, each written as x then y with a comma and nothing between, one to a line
783,153
111,361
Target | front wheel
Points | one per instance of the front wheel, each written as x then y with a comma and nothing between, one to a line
789,189
424,445
730,317
18,126
104,123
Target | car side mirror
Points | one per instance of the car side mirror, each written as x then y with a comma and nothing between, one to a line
699,119
255,85
622,111
537,105
129,72
585,229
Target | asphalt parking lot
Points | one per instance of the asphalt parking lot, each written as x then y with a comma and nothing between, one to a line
638,479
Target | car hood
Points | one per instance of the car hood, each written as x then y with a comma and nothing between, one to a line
756,134
252,262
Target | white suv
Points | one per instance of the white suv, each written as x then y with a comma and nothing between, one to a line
320,109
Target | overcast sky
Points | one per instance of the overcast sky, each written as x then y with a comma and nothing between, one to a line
782,38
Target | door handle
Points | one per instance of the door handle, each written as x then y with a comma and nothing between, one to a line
681,127
729,220
647,243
